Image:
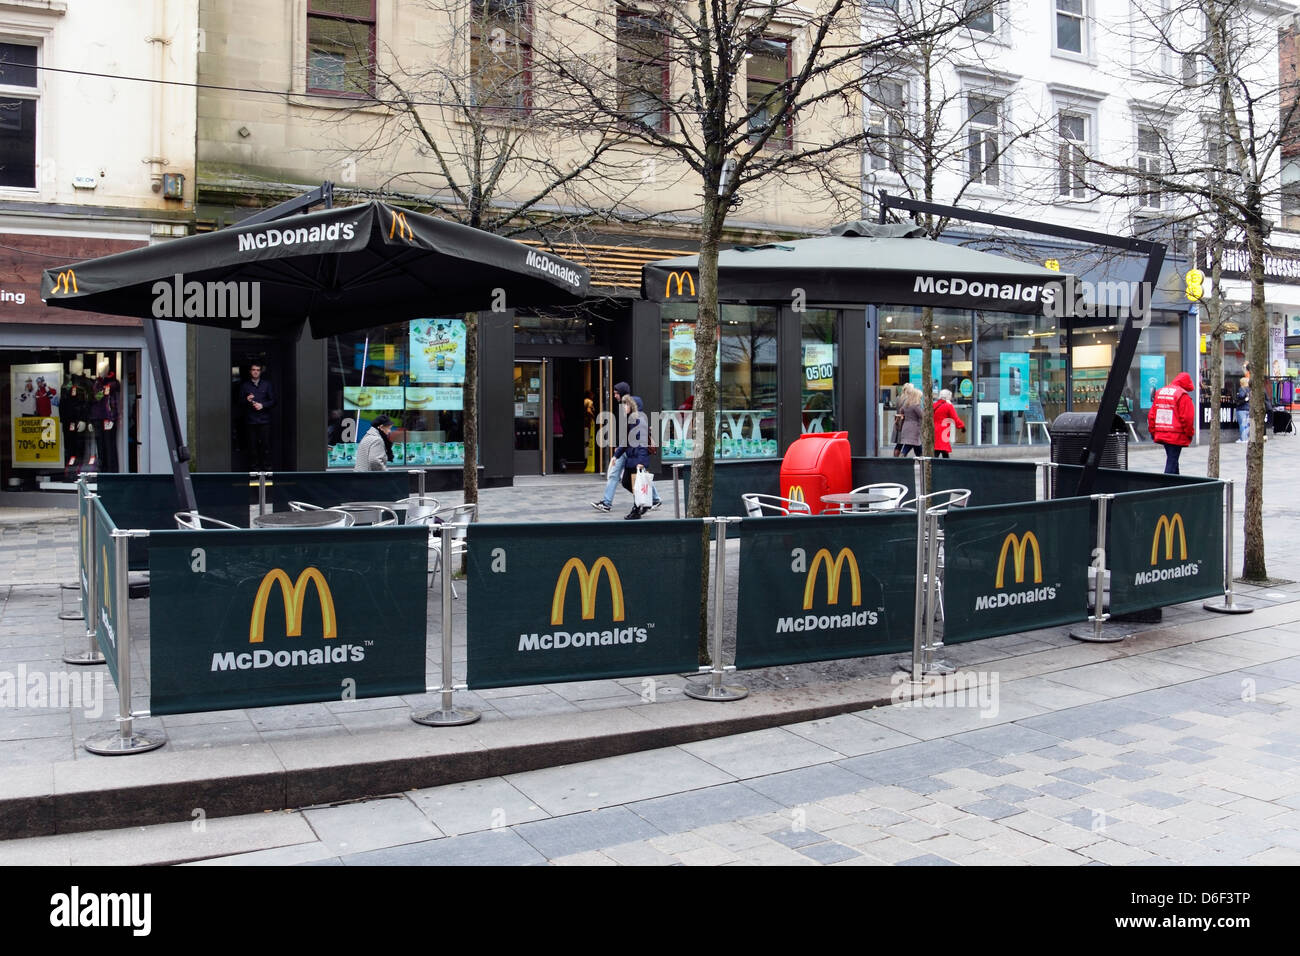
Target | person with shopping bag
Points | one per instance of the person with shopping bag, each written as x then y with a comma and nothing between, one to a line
619,466
636,458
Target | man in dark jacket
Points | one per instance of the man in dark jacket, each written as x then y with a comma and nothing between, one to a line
258,394
1172,419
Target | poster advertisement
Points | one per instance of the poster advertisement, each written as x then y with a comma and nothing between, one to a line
34,411
443,399
437,351
1276,350
1151,376
681,353
1013,381
818,366
936,367
382,397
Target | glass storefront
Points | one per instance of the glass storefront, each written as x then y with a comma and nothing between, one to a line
746,375
69,412
820,396
413,372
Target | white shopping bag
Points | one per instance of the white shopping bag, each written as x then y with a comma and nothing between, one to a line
642,488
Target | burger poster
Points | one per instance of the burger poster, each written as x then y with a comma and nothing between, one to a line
681,353
437,351
34,411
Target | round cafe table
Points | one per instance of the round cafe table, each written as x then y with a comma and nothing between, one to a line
300,519
851,502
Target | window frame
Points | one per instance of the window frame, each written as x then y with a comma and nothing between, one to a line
995,19
894,156
1071,170
527,25
628,11
1085,30
34,94
333,17
773,142
1142,164
998,128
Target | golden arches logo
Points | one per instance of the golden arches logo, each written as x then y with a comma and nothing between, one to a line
103,576
400,227
834,571
294,595
1018,547
682,278
1169,526
587,581
65,280
796,493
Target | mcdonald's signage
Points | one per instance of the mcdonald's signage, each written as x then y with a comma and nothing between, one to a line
843,561
588,584
65,282
796,494
683,279
1018,548
400,228
1168,530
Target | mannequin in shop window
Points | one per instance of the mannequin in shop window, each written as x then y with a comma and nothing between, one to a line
74,412
104,415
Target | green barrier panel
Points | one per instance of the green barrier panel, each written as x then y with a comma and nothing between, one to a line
869,471
990,482
328,488
259,618
106,611
148,502
1113,481
818,589
731,480
1011,568
1165,547
574,601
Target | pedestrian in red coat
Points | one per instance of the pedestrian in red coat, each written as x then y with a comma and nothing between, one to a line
946,423
1172,419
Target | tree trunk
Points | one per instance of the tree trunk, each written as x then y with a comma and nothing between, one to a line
705,406
470,416
1253,566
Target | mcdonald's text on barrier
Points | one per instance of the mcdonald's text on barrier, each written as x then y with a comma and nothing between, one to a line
1169,527
293,595
1019,549
588,583
835,567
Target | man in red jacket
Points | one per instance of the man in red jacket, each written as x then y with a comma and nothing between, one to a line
1172,419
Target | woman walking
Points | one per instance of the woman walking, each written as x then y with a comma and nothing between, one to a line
909,433
946,421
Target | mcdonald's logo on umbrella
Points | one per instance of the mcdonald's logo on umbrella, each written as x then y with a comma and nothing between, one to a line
400,227
294,595
64,282
682,278
587,583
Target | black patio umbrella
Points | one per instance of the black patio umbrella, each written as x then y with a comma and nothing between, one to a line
862,263
342,269
339,269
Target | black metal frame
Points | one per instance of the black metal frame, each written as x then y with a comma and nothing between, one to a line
1128,339
162,379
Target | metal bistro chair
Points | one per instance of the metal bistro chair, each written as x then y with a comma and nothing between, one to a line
193,521
371,514
460,517
942,502
418,506
304,506
891,488
756,505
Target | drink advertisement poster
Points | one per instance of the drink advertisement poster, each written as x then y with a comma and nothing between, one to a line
437,351
1013,380
34,411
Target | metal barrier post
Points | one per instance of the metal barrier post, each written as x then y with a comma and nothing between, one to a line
76,614
716,690
419,482
918,615
261,492
1228,606
127,740
677,467
929,665
447,715
1098,617
86,578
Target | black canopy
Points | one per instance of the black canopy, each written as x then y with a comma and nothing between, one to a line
858,264
343,269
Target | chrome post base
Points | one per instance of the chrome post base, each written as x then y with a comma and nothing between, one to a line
718,691
454,717
115,745
84,657
1223,607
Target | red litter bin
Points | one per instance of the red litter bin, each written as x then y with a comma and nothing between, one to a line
815,465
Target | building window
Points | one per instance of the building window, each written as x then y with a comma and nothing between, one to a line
982,135
1150,165
341,47
1072,155
501,57
981,15
886,116
767,67
18,98
884,4
1071,27
642,70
